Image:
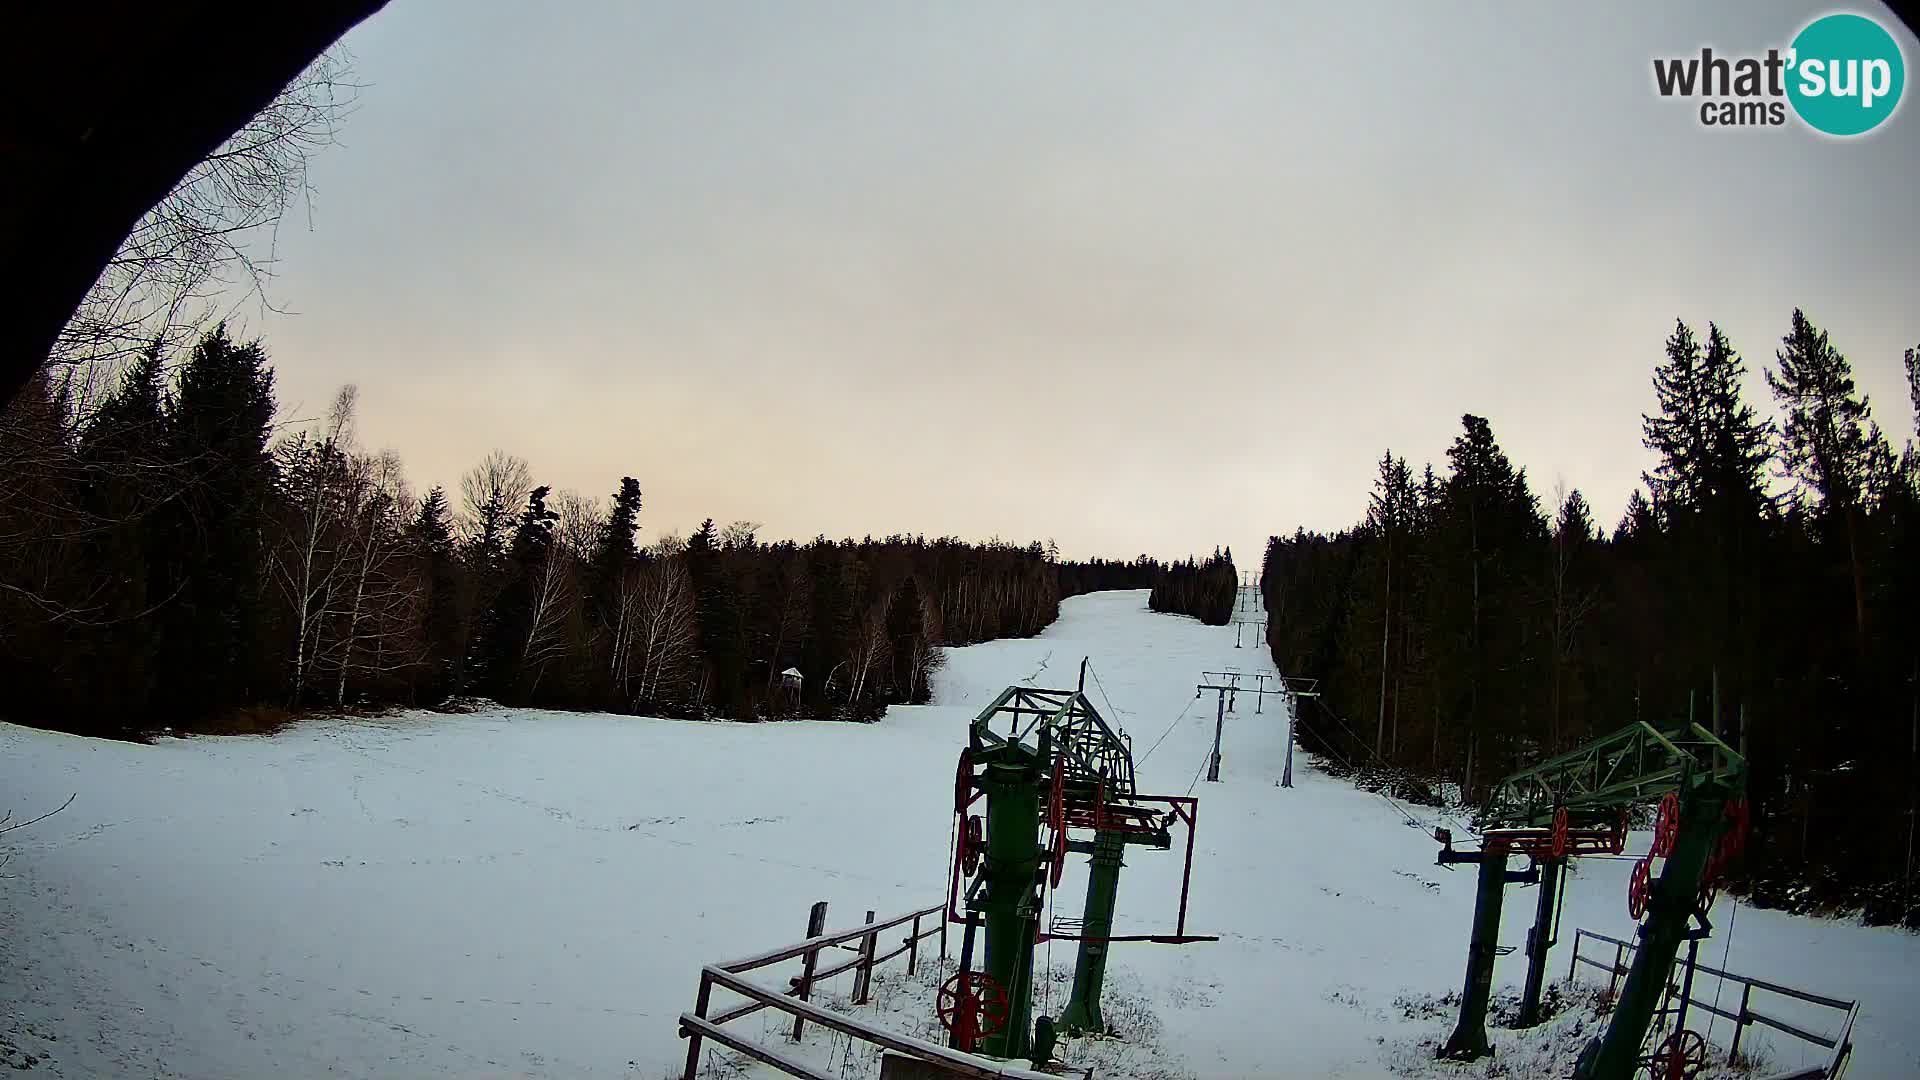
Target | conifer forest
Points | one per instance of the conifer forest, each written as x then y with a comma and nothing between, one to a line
174,558
1764,581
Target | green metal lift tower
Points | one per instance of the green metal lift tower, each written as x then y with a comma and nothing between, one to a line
1576,804
1059,765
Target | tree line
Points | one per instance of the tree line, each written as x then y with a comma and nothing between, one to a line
169,557
1204,590
1763,581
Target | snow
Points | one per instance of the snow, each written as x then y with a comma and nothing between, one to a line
517,892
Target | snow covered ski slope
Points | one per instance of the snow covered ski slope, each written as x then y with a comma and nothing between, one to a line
524,893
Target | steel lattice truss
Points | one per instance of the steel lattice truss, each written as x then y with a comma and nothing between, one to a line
1635,764
1095,755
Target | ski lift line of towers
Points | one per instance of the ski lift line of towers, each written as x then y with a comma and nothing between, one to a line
1228,686
1249,612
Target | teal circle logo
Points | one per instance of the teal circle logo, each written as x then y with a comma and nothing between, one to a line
1846,74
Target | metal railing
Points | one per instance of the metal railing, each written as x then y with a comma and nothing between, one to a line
697,1027
1840,1045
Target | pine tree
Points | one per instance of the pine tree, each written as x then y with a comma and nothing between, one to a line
430,536
617,548
1488,519
121,452
1828,443
213,647
1710,491
1913,385
1390,513
1678,434
515,612
1712,445
1638,522
717,607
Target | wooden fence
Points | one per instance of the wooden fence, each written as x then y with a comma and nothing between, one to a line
697,1026
1840,1044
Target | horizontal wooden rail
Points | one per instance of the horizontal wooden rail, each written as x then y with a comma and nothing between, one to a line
1781,1025
752,1007
792,1066
954,1060
698,1025
814,944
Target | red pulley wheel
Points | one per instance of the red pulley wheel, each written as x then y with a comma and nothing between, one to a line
1560,833
963,781
972,843
1059,857
1666,826
1640,888
1057,796
1682,1056
971,1005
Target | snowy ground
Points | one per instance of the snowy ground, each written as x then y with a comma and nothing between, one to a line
523,893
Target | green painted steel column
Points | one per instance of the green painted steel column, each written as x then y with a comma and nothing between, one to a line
1668,912
1469,1038
1539,941
1090,968
1013,785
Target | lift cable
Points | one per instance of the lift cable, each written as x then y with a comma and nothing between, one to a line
1725,955
1091,670
1203,768
1404,813
1328,749
1389,766
1164,734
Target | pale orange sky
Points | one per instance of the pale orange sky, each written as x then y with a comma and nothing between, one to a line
1135,276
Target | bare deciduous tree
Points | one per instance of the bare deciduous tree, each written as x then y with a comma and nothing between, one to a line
582,523
214,231
870,650
385,601
304,561
665,628
553,601
739,536
492,492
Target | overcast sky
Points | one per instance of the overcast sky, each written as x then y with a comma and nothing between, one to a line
1136,276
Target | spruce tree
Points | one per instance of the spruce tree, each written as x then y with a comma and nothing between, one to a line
217,425
1638,522
1710,490
1827,441
617,550
1678,434
514,613
1913,386
430,536
717,609
121,453
1824,441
